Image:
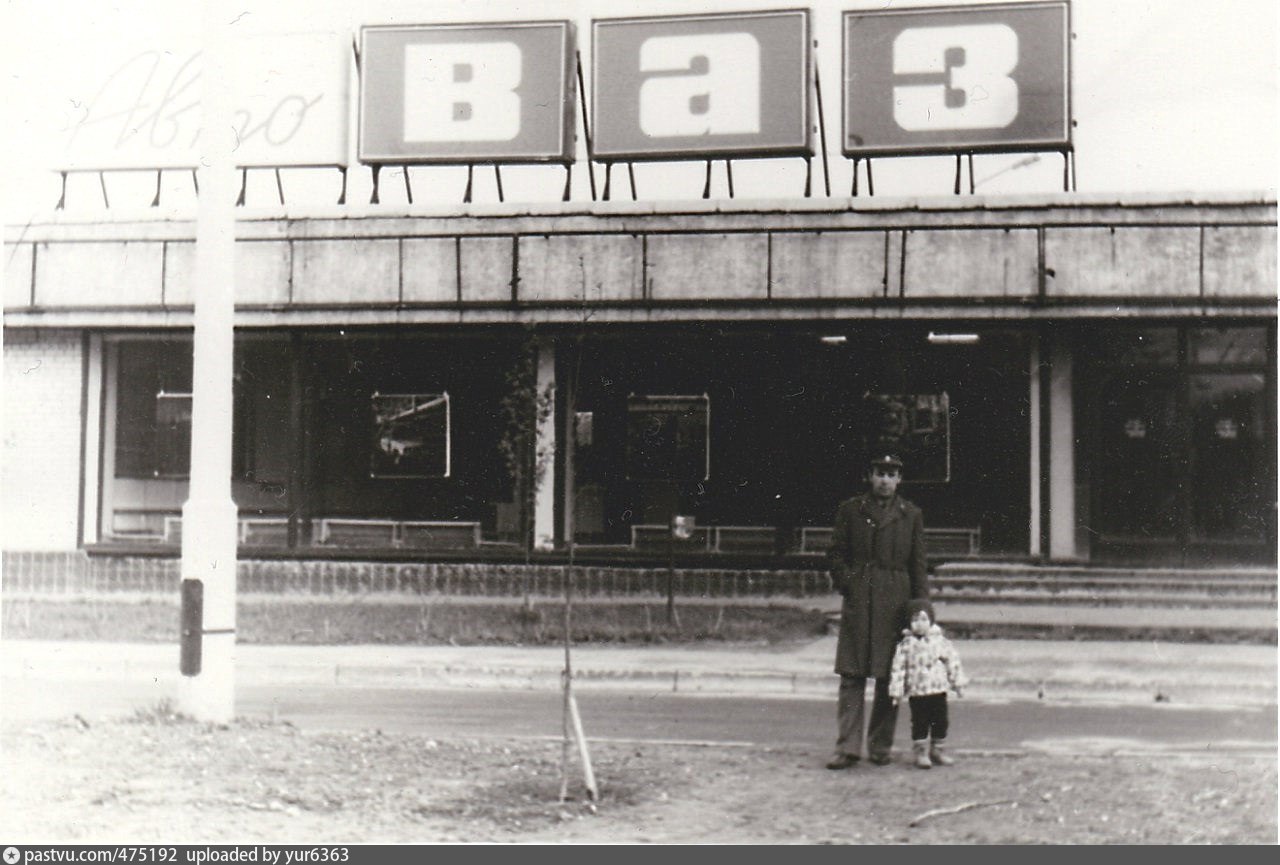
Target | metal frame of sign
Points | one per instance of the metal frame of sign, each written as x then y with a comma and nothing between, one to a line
1063,145
804,149
567,153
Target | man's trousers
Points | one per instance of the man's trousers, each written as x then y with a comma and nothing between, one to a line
851,710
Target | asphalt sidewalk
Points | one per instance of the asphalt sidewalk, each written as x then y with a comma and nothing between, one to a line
999,670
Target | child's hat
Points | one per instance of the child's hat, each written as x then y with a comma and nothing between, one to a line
916,605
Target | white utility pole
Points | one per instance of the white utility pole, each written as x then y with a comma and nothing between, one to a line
209,519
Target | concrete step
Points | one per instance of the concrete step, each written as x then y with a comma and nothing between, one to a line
1102,583
1075,586
1105,599
1026,570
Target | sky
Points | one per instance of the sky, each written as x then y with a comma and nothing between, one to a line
1169,96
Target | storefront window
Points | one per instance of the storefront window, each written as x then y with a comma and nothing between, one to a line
1136,469
1184,458
668,438
263,394
153,416
1219,346
1145,347
786,430
173,434
1229,494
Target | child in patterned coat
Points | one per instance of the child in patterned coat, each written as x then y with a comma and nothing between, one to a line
925,667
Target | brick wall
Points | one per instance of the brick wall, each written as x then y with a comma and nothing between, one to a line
40,468
75,573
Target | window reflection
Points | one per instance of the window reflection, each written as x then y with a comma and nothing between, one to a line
153,411
1141,347
1228,345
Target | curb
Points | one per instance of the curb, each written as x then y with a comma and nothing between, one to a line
1221,692
801,686
1075,672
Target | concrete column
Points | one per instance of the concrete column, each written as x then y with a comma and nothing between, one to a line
111,399
568,447
92,474
544,495
209,515
1033,398
1062,461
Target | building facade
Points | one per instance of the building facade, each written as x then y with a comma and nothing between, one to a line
1069,379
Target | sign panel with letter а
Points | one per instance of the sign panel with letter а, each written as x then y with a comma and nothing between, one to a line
701,85
467,93
961,79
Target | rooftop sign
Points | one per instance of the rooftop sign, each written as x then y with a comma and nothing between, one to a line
701,85
467,93
917,80
290,93
964,78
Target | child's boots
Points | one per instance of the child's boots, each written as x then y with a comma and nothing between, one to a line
938,753
920,749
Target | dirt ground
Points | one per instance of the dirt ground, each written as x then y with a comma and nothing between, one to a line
154,778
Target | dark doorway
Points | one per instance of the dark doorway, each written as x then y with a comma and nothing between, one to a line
1178,444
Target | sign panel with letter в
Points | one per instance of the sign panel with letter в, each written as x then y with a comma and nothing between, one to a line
465,93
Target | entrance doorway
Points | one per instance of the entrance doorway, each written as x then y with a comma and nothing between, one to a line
1180,448
1140,477
1229,480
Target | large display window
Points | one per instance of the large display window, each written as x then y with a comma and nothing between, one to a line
339,440
789,417
1178,443
153,410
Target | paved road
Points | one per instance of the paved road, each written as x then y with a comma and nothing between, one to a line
793,722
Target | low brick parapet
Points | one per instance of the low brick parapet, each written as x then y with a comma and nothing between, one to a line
77,573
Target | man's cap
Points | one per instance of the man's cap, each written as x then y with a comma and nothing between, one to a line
888,459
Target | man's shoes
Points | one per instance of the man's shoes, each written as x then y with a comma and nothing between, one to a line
880,759
843,761
920,752
938,754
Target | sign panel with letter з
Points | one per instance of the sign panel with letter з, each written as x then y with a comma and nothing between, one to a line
957,79
701,86
463,93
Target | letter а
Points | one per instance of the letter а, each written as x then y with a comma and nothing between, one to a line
719,94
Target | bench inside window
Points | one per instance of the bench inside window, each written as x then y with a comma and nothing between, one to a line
140,523
649,537
938,541
273,531
414,534
440,535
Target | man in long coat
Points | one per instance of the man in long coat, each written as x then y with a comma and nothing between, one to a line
877,564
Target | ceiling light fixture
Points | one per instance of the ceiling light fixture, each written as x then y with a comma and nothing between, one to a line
954,338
